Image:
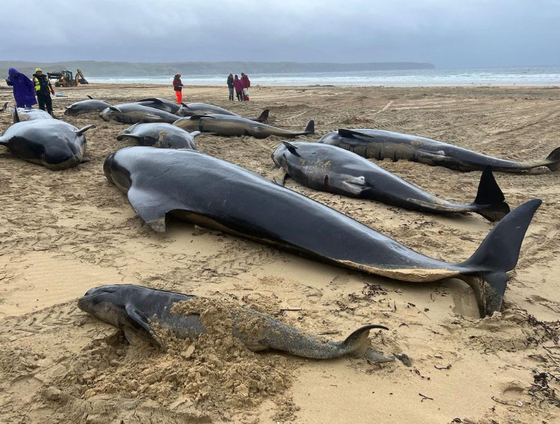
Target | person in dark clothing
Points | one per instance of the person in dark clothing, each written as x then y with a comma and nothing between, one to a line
24,91
230,86
238,88
178,87
43,88
246,84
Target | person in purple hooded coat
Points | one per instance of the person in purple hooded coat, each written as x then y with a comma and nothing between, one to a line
24,90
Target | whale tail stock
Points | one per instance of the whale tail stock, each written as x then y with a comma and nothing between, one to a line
356,344
554,159
497,254
490,198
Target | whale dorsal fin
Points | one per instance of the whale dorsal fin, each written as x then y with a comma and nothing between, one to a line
291,148
195,134
89,97
352,134
115,109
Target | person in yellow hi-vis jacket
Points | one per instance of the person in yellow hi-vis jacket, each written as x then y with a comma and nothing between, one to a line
43,88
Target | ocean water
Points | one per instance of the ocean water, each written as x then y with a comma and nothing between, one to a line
523,75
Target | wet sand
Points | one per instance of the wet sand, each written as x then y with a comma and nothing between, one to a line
64,232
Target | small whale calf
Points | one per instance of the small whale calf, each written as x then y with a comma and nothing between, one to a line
330,168
136,310
160,135
133,113
378,144
86,106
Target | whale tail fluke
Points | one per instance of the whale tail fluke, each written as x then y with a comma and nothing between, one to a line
357,344
490,197
554,159
498,253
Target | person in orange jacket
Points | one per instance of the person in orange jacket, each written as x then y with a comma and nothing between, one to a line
178,87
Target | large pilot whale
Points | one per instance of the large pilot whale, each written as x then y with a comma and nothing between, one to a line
49,142
137,310
213,193
379,144
330,168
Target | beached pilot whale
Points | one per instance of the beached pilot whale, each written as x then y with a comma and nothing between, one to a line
90,105
231,126
213,193
160,135
136,309
28,114
330,168
133,113
378,144
49,142
192,109
161,104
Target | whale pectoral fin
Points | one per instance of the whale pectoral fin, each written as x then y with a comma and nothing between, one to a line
195,134
351,184
154,116
149,208
140,324
279,177
84,129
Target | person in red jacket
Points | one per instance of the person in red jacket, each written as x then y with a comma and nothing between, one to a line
238,85
246,84
178,87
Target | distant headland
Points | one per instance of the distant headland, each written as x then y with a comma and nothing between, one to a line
137,69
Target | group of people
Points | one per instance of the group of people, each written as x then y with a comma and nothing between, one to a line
27,93
241,86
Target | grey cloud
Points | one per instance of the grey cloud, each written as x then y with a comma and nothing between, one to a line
447,33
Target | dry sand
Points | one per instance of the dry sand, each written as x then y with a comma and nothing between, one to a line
62,233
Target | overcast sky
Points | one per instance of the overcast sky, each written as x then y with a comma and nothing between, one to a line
447,33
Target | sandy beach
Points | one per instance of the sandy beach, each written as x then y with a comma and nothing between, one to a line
64,232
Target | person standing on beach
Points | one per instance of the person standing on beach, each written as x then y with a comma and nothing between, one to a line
24,92
246,84
238,88
230,86
178,87
43,88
